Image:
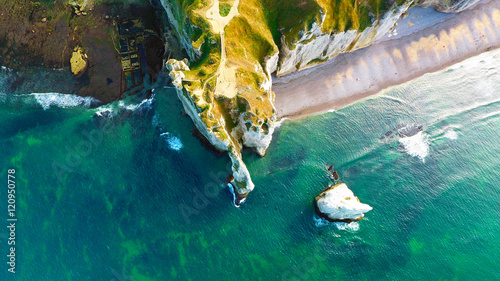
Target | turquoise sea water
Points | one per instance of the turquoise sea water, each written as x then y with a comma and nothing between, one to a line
136,197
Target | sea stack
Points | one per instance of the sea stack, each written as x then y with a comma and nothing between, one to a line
337,203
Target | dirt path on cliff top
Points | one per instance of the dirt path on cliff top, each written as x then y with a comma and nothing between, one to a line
226,75
354,76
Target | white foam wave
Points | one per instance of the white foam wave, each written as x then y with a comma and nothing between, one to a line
235,199
350,227
144,104
47,100
416,145
6,69
173,142
450,134
320,222
104,112
147,102
278,124
131,107
112,109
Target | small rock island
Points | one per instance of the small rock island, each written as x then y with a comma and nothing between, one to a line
337,203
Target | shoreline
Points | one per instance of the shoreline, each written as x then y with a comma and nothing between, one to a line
354,76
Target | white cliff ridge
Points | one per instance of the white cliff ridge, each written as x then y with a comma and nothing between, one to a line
228,96
217,100
338,204
241,174
317,46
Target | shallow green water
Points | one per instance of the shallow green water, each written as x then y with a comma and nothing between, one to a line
119,199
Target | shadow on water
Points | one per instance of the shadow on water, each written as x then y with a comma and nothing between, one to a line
15,124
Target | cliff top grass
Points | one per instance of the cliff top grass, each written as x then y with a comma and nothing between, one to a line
280,17
225,84
250,37
289,17
224,8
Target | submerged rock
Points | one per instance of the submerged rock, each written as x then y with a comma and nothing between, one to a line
338,204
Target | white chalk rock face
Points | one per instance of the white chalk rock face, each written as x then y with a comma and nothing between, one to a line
338,204
316,46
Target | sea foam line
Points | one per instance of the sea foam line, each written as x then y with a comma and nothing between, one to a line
350,227
113,109
47,100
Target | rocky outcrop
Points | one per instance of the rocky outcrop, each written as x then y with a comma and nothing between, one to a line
215,129
226,85
338,204
224,89
183,28
78,61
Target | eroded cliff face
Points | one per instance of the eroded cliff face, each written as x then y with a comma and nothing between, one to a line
338,204
320,43
184,30
225,87
234,47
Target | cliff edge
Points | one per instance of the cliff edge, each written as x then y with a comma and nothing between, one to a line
234,46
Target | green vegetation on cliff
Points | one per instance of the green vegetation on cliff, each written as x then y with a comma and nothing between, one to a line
233,48
252,36
289,17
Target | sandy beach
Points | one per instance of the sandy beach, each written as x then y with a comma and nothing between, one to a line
414,51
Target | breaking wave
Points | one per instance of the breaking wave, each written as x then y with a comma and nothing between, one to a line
115,109
350,227
144,104
416,145
48,100
450,134
236,201
173,142
231,189
6,69
320,222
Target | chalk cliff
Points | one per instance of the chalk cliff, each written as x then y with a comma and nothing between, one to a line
226,89
338,204
234,46
322,40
